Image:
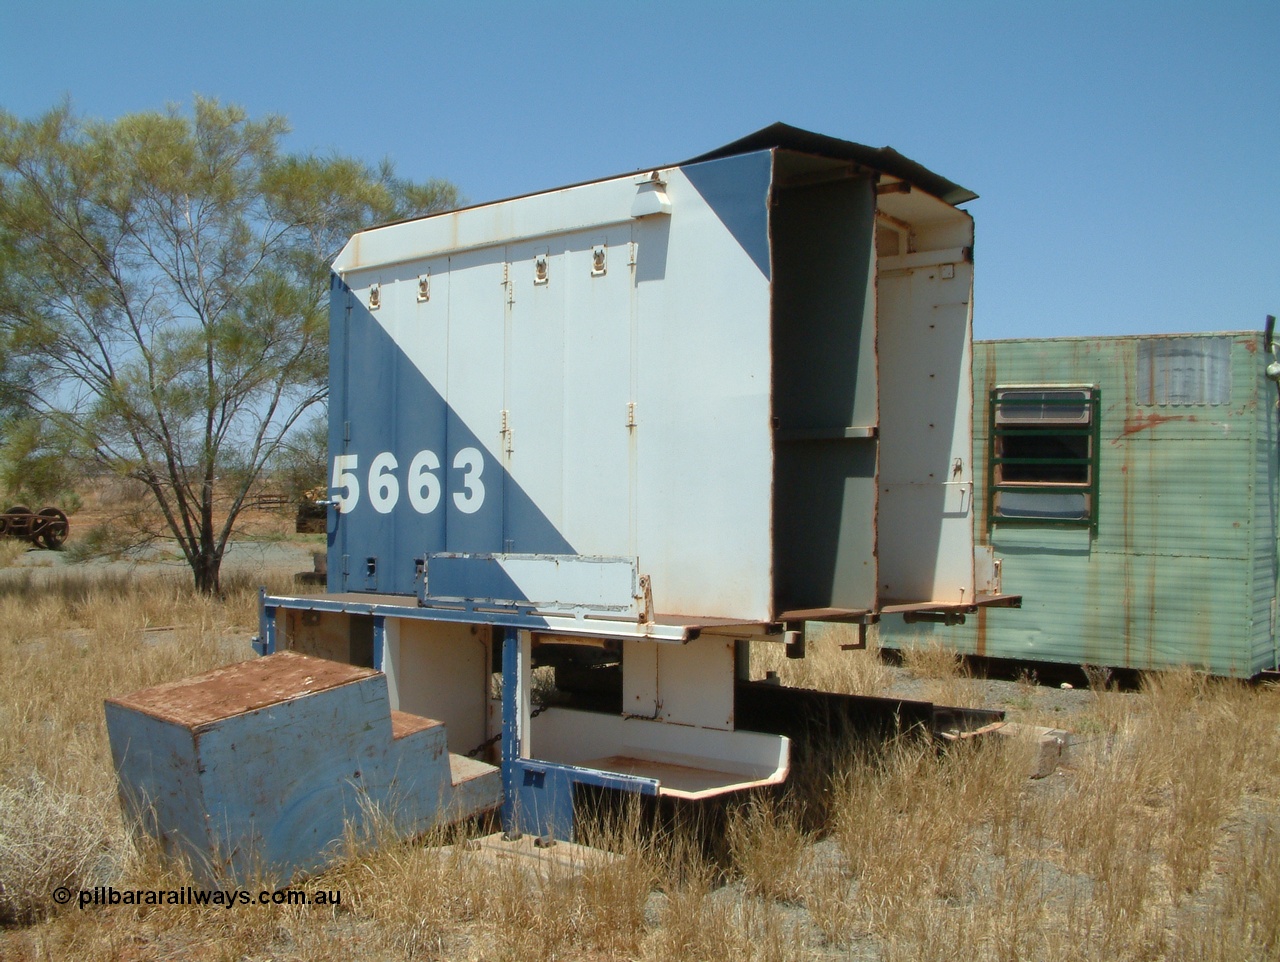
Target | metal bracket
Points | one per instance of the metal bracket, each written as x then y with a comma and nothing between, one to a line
948,618
646,592
861,643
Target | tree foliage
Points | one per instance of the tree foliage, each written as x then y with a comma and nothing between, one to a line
163,292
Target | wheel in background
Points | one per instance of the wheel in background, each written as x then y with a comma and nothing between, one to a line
18,521
52,526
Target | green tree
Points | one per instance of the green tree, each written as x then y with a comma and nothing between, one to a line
36,464
12,387
299,467
165,287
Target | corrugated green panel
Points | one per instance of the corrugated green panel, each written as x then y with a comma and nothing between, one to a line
1108,609
1115,610
1266,502
1182,567
1111,364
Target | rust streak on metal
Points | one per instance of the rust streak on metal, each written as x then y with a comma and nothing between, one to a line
1137,422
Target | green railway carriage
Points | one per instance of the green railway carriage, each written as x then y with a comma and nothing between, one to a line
1126,488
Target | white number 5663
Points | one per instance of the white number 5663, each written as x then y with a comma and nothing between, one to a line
421,481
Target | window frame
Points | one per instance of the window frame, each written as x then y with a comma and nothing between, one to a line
1090,430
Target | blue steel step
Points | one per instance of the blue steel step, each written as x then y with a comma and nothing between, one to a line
261,767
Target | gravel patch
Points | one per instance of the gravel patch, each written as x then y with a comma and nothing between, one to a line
249,558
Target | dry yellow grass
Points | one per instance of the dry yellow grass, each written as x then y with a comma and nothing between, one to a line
770,849
946,676
11,550
63,649
1160,840
825,667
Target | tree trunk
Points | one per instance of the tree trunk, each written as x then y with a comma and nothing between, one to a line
207,568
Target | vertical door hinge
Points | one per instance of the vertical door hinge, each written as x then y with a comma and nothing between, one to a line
506,432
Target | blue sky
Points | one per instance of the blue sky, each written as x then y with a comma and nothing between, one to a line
1127,154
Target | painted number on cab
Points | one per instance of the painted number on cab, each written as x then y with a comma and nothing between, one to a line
421,482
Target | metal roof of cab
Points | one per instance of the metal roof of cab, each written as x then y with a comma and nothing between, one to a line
884,159
777,136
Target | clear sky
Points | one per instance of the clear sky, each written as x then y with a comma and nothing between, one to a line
1126,154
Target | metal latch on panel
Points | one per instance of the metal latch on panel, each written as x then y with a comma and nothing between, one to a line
598,264
375,296
424,287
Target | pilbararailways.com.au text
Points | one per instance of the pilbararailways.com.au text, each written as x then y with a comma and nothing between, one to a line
188,895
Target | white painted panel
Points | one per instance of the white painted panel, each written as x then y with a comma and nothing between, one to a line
695,683
535,369
569,210
640,679
926,543
747,753
925,524
704,463
596,391
476,347
419,328
578,738
476,340
549,582
439,670
569,736
689,684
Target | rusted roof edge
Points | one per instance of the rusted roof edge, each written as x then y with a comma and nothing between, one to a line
884,159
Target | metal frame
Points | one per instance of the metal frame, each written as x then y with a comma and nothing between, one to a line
1092,431
519,618
538,795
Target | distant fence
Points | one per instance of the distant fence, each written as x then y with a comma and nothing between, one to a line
268,500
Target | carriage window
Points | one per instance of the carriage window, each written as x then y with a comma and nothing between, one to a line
1043,456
